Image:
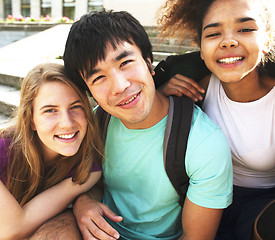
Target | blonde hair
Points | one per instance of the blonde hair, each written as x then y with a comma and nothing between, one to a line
26,175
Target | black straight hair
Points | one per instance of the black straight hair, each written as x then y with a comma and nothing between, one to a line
89,36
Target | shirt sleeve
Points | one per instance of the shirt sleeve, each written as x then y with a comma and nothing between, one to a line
209,166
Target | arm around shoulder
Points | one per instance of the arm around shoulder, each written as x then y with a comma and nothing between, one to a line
18,222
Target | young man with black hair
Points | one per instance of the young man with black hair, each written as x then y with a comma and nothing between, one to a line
109,54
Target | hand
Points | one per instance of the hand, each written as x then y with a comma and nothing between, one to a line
89,216
180,85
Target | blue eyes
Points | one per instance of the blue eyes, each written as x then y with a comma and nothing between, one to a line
53,110
77,107
50,111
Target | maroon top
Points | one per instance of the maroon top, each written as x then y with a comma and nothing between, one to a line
4,153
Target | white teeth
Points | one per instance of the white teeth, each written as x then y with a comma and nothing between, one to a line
66,136
130,100
230,60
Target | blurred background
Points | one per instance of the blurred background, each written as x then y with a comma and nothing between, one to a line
35,31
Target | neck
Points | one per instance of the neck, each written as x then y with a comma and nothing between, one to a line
158,111
251,88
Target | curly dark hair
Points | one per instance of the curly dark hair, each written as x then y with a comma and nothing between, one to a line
184,18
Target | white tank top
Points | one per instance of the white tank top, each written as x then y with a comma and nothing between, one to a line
250,130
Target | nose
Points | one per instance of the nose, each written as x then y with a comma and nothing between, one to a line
66,120
119,83
229,43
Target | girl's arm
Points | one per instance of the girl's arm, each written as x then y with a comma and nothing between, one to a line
18,222
180,85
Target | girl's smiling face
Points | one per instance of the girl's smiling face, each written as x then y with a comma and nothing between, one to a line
58,119
234,38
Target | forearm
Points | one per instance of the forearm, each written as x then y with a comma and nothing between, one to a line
42,207
96,192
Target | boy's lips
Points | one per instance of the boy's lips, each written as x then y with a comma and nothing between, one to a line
128,99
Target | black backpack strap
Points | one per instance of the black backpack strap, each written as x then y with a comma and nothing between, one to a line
175,143
103,121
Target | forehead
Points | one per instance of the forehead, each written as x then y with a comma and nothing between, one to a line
224,10
120,50
54,92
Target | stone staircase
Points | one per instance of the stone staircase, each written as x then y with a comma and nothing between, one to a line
162,48
16,59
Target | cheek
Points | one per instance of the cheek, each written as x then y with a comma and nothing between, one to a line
83,122
43,125
100,93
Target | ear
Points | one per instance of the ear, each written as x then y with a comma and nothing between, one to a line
150,66
202,55
268,42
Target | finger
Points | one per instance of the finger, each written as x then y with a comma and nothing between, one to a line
189,91
101,229
171,91
181,78
182,86
179,91
110,214
87,235
100,233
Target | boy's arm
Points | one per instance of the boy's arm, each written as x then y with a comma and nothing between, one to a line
89,213
209,167
199,223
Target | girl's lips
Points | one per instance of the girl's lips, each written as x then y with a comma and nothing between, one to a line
67,137
230,60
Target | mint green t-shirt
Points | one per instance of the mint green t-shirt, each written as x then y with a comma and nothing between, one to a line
137,187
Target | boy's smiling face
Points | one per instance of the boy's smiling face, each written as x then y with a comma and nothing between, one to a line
122,85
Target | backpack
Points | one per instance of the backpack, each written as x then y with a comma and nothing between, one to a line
189,64
175,140
264,224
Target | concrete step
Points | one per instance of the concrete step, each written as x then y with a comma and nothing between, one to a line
9,99
4,121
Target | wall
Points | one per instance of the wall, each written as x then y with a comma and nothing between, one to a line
143,10
12,32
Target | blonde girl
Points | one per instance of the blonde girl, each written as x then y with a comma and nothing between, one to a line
50,155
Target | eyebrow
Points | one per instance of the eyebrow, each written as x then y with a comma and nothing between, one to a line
239,20
245,19
211,25
54,106
122,55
